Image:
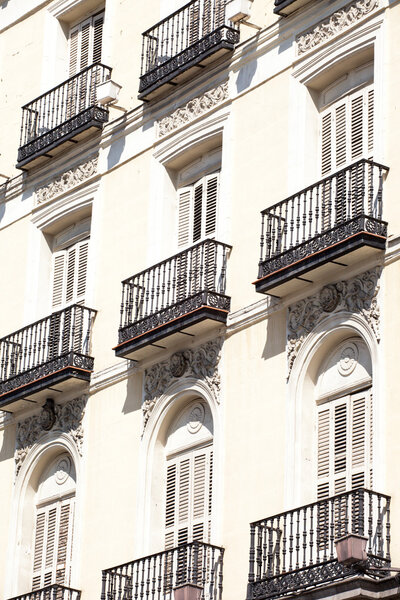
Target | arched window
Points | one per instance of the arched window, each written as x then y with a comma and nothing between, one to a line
189,476
345,420
53,524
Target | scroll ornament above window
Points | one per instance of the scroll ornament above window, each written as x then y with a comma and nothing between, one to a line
338,22
357,295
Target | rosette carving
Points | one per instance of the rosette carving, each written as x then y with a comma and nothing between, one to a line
66,418
201,363
358,295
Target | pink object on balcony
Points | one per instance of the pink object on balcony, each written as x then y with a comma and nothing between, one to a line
351,548
188,591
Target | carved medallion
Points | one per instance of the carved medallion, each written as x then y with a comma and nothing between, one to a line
348,359
178,364
196,418
329,298
48,415
63,470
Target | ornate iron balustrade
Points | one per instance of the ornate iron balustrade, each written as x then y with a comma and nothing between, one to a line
177,286
322,215
156,576
45,348
184,38
62,113
51,592
296,549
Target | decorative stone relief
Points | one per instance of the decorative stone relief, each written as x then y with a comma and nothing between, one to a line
63,470
337,22
201,363
348,359
193,109
67,180
196,418
67,419
357,295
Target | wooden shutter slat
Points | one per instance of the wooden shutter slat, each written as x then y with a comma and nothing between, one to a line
212,184
184,217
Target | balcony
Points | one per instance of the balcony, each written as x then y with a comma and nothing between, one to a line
160,576
286,7
51,592
177,298
295,551
50,355
61,117
315,234
182,44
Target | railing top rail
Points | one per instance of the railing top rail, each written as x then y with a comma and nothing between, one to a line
329,499
324,180
95,64
156,554
47,587
170,16
62,310
181,253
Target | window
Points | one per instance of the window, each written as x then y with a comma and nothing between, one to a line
347,124
189,477
198,205
53,531
345,444
85,43
189,498
70,260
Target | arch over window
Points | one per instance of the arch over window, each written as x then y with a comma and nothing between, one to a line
54,516
189,476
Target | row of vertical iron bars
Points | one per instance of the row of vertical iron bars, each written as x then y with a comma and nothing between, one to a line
51,592
305,537
58,105
156,576
345,195
180,30
61,332
200,268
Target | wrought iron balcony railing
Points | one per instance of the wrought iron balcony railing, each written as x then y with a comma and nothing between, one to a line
61,114
324,221
296,549
51,592
193,35
156,576
173,294
46,353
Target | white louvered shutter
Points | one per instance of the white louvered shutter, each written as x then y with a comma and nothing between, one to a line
85,43
69,275
345,443
188,498
347,135
197,211
53,544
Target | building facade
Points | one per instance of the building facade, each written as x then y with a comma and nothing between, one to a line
200,247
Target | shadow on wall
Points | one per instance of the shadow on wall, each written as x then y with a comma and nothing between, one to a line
115,152
8,446
133,400
275,342
245,76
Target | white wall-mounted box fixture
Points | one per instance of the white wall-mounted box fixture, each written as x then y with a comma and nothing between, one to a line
107,92
238,10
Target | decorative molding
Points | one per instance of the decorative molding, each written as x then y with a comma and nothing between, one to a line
348,359
196,418
201,363
67,180
68,419
193,109
357,295
338,22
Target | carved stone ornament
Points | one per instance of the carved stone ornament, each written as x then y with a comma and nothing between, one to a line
67,180
357,295
337,22
67,419
193,109
201,363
